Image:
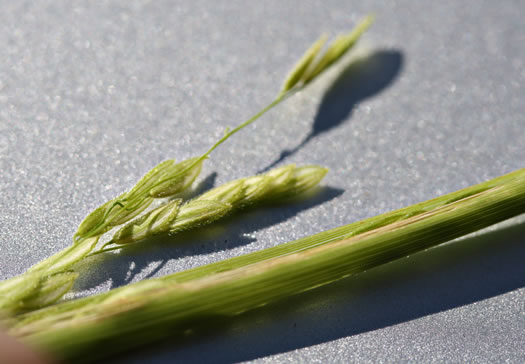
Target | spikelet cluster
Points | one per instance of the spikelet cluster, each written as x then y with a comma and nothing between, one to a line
277,185
166,179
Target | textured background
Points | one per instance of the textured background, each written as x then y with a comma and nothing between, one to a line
92,96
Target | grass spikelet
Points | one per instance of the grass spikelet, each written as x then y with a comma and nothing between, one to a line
155,222
255,188
305,179
299,69
178,178
231,193
337,49
197,213
152,177
50,289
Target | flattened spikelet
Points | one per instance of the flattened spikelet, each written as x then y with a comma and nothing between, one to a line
174,181
156,221
299,69
198,213
337,49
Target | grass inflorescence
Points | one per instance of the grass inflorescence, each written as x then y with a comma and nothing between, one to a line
47,281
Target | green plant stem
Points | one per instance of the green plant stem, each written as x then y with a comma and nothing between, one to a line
87,330
281,97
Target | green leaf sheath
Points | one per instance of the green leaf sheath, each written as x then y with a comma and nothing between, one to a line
138,314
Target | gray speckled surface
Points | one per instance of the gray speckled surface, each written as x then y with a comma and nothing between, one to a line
93,95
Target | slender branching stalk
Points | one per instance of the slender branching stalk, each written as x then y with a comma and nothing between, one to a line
135,315
48,280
